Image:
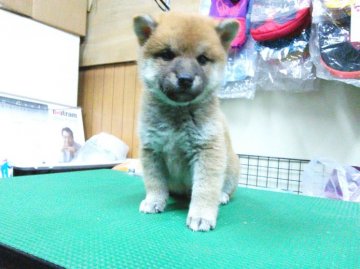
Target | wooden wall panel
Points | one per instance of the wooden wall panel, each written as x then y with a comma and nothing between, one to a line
97,102
110,37
109,96
129,104
107,99
86,101
118,100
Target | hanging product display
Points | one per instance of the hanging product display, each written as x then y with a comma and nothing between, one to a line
285,63
282,32
335,43
234,9
240,71
338,55
338,10
272,20
240,67
282,45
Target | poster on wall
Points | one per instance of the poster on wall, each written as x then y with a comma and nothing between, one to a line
34,134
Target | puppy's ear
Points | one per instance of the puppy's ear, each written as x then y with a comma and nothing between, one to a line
144,26
227,30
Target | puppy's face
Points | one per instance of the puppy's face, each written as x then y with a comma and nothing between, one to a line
182,56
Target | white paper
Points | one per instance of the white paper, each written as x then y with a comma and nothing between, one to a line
355,22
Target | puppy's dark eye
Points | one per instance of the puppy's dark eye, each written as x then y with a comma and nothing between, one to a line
166,55
202,59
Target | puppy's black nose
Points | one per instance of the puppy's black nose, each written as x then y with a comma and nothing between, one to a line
185,81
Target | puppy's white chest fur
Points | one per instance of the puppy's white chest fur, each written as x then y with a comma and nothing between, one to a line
177,139
177,156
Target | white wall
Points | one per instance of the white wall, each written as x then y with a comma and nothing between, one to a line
38,61
323,123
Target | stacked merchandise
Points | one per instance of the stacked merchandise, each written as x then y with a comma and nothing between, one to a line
336,40
282,31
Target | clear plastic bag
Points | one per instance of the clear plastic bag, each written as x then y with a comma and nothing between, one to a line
329,179
240,68
335,56
102,148
285,64
239,73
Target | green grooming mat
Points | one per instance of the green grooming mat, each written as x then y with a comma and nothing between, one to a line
90,219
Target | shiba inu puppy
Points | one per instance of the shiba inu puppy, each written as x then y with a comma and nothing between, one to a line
185,146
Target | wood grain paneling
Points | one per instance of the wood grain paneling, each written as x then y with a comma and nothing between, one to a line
109,97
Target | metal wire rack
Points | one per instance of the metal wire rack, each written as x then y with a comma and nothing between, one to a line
271,172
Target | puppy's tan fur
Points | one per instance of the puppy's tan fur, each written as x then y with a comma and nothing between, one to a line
185,145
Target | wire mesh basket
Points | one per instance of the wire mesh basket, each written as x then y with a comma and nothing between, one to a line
271,172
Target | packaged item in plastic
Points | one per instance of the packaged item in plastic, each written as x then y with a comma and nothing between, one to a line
335,54
338,10
272,20
240,72
338,55
240,67
285,64
329,179
234,9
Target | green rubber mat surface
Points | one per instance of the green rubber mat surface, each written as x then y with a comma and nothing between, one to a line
90,220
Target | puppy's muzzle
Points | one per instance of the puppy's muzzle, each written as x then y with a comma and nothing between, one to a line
185,81
183,87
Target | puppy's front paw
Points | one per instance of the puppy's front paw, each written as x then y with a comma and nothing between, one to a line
200,224
152,206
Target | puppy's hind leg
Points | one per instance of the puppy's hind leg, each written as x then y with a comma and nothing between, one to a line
155,174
